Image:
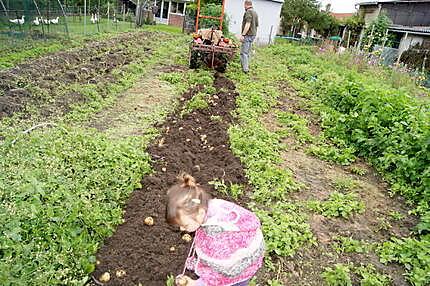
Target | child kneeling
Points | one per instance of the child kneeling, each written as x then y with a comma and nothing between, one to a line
228,246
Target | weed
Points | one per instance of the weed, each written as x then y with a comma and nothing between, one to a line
338,205
271,282
170,280
358,171
345,184
233,190
285,228
349,245
413,253
343,156
294,124
198,101
370,277
397,216
383,224
337,276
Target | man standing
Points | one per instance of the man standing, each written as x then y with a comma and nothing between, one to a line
249,31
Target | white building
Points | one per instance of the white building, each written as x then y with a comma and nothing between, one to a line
269,18
171,12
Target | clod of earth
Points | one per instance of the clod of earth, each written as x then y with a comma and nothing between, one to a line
105,277
187,237
149,221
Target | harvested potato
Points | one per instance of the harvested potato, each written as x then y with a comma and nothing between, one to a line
172,249
105,277
149,221
187,237
120,273
181,281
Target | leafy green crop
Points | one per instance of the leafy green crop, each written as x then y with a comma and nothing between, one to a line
337,276
285,229
370,277
338,205
413,253
60,199
295,124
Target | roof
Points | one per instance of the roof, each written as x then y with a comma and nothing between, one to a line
341,16
365,2
418,30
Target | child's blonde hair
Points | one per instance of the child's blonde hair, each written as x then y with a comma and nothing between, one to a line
186,197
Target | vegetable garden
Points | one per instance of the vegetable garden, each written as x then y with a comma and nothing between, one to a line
333,155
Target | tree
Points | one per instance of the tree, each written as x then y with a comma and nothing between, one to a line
297,13
324,23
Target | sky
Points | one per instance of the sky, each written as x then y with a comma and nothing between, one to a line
341,6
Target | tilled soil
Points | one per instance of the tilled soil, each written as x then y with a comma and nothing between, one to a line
195,143
43,79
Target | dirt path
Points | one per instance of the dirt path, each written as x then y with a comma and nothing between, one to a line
138,109
196,143
321,178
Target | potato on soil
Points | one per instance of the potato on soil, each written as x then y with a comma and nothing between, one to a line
105,277
149,221
187,237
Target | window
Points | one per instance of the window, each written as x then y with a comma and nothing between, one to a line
177,8
181,7
173,7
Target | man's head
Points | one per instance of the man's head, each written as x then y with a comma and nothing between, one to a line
247,4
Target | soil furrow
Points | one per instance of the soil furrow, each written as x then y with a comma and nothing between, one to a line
194,143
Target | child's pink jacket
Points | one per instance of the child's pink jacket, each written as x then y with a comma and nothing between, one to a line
229,245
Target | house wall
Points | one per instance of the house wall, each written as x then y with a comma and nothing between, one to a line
369,12
408,14
268,17
176,20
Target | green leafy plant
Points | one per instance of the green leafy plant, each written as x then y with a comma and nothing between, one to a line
198,101
294,124
345,184
397,216
349,245
233,190
358,171
370,277
338,205
413,253
271,282
170,280
337,276
383,224
285,228
343,156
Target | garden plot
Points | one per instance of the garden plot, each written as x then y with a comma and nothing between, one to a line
55,82
349,208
